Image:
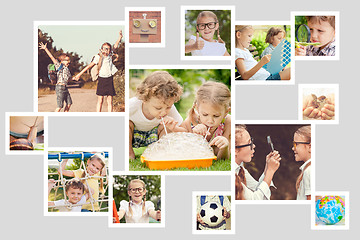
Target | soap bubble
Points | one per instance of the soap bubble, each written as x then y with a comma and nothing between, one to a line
178,146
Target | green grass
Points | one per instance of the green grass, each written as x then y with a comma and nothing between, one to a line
137,165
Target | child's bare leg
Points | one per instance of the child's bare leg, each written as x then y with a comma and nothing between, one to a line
109,100
57,109
286,74
67,108
99,103
131,135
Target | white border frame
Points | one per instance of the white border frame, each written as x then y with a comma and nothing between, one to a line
313,163
68,149
183,9
7,133
337,32
137,225
145,45
347,211
212,232
170,172
300,103
36,25
264,82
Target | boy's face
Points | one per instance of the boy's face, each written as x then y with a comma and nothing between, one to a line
207,33
66,61
321,32
74,195
157,107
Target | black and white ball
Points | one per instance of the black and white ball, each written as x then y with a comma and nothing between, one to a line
212,213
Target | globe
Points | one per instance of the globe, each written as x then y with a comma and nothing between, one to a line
330,209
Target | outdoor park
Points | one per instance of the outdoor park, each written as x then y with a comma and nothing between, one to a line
190,80
80,44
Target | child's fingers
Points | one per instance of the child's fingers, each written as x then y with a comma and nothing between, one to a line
197,36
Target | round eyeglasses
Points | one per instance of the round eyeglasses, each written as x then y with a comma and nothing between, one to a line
251,144
134,190
210,25
296,143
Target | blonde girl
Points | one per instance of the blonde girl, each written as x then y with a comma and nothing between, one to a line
138,210
246,187
95,169
204,44
209,117
302,152
274,36
247,66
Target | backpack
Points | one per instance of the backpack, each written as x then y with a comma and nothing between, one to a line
202,200
52,72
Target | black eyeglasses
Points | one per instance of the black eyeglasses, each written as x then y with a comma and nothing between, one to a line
134,190
251,144
296,143
210,25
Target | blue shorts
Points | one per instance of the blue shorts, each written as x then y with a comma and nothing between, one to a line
275,76
62,94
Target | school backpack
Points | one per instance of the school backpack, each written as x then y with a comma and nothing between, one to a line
52,72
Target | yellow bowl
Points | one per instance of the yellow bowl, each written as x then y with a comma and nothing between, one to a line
183,163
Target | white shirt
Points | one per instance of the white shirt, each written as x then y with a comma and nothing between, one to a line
137,212
250,62
255,190
61,205
209,49
141,123
305,184
107,67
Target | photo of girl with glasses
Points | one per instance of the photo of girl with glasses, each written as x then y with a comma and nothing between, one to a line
302,152
203,43
246,187
137,209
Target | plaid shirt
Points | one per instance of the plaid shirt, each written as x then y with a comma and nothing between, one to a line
328,50
63,75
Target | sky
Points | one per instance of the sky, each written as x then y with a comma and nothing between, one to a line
86,40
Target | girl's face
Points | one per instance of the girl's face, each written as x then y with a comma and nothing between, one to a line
321,32
157,107
137,191
74,195
105,49
243,154
277,39
93,167
302,151
211,114
207,26
244,37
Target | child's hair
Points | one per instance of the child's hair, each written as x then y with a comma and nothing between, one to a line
214,92
108,44
159,84
99,157
144,200
207,14
74,183
62,56
319,19
304,131
240,177
241,28
273,31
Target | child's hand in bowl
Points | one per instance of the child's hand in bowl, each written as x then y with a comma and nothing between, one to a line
170,123
200,129
220,142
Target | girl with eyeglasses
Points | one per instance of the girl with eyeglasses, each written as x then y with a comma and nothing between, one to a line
138,210
302,152
246,187
204,44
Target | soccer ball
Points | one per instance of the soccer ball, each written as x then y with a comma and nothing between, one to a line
212,213
330,209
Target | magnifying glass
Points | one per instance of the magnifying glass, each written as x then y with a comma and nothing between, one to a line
303,33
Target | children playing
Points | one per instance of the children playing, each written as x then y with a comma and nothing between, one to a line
247,66
209,117
137,209
274,36
152,108
74,190
302,152
63,76
95,170
204,44
106,70
322,30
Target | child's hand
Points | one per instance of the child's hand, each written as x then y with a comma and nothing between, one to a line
170,123
273,161
300,51
120,34
265,59
42,45
198,218
219,38
200,129
158,215
220,142
226,214
308,109
328,111
76,77
51,183
199,44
